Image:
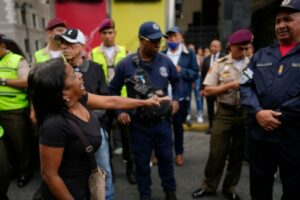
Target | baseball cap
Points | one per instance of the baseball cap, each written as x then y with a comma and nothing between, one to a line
106,24
72,36
151,31
241,36
174,29
55,22
291,5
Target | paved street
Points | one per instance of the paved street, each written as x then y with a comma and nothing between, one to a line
188,177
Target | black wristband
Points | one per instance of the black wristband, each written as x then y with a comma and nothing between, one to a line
3,81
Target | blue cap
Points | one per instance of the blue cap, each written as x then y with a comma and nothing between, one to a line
174,29
151,31
291,5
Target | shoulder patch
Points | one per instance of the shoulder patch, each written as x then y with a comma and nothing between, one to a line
163,71
223,59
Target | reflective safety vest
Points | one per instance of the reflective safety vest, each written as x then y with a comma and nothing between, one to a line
99,57
41,56
11,98
1,131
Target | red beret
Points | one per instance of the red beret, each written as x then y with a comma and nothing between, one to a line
106,24
240,37
55,22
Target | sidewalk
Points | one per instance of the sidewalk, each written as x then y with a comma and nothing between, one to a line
188,177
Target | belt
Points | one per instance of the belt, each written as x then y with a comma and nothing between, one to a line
232,107
152,121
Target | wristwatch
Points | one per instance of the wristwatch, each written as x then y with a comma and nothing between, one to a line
3,81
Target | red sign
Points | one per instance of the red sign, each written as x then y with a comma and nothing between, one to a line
83,16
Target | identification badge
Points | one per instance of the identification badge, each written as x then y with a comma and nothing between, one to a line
246,76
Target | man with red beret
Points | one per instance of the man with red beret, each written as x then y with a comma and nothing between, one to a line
109,54
54,27
270,88
229,126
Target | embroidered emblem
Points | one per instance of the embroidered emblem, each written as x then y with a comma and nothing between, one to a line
285,2
155,27
163,71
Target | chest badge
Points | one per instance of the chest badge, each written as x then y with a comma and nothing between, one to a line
280,70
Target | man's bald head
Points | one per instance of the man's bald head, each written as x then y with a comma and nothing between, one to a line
215,46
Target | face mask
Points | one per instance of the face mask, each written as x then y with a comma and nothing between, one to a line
173,45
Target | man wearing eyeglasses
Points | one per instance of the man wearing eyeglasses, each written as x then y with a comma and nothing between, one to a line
145,73
229,126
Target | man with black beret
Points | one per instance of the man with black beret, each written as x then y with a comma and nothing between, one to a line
270,88
229,126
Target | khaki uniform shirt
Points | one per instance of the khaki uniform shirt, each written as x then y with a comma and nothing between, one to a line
223,71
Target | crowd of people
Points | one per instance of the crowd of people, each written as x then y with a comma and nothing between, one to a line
146,95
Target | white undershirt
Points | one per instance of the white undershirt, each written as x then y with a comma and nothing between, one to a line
238,64
110,51
174,56
55,54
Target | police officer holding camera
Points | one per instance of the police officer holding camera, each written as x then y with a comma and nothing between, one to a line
145,73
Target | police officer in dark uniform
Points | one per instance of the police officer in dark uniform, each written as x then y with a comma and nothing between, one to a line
227,141
270,87
145,73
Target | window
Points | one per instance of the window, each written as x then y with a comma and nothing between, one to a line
23,16
34,20
36,45
45,1
43,22
27,46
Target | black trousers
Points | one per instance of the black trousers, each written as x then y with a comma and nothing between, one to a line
125,139
14,146
17,139
265,158
5,169
210,110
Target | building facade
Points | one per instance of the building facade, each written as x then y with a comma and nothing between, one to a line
24,21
